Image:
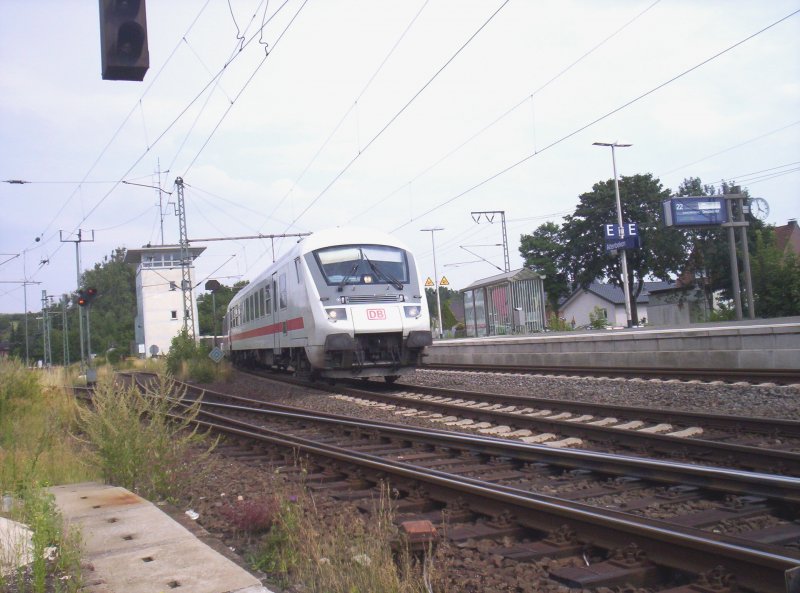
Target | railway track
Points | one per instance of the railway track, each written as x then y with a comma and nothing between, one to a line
753,376
525,489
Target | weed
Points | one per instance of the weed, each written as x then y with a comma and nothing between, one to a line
346,553
252,516
141,440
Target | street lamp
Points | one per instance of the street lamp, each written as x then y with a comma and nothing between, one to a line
432,230
623,256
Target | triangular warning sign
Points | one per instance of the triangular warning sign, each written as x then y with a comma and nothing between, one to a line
429,282
444,281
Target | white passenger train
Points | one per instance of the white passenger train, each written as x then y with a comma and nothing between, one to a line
340,303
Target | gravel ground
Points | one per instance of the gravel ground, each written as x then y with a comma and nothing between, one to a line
228,481
767,401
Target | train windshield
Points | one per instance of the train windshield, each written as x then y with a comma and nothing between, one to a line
363,264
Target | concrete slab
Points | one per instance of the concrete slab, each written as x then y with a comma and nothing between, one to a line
16,547
134,547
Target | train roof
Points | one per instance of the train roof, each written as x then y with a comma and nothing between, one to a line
320,239
346,236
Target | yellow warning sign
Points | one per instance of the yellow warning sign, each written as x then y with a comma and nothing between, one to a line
429,282
444,281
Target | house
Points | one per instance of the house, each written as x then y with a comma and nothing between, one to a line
610,299
787,237
159,298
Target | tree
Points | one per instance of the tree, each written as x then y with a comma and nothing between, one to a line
543,252
776,277
663,249
113,313
445,296
206,321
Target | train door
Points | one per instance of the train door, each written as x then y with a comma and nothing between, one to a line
277,325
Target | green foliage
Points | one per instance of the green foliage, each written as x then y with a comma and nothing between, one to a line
188,360
543,252
182,348
446,296
597,318
137,441
35,450
111,316
663,252
17,386
54,552
343,554
776,277
558,324
208,304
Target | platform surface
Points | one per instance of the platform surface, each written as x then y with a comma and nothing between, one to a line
135,547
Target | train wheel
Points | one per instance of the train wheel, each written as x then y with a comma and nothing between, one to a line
391,378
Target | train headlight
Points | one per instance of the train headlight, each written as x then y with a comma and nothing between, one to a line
413,311
336,314
367,279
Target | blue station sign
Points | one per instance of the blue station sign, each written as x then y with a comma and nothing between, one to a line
621,237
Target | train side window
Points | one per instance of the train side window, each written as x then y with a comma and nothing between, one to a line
297,268
282,295
260,299
268,300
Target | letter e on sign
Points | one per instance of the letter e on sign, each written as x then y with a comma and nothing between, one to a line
376,314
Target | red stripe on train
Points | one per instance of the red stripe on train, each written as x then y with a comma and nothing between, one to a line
267,330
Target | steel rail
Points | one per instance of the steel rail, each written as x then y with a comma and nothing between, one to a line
779,376
736,424
762,568
771,486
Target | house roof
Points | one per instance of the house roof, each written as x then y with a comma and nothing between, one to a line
512,276
134,256
787,237
613,294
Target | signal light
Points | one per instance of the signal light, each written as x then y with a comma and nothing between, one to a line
123,39
86,297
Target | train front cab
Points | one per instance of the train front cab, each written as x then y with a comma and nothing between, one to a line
374,317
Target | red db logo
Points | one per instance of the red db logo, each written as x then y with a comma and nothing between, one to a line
376,314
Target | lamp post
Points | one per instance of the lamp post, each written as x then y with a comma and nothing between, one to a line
623,256
432,230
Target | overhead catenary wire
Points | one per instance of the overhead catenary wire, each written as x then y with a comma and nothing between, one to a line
347,113
244,87
122,125
595,121
163,133
506,113
398,114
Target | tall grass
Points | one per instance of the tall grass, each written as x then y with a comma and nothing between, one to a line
343,553
142,441
36,415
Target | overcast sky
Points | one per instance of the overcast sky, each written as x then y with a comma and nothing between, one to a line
399,116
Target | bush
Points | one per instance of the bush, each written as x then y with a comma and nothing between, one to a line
138,442
183,348
597,318
558,324
114,356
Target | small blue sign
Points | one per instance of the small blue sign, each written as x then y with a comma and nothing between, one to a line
622,237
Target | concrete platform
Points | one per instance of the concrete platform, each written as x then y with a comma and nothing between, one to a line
135,547
735,345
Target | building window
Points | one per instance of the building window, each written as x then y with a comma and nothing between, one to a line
175,314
